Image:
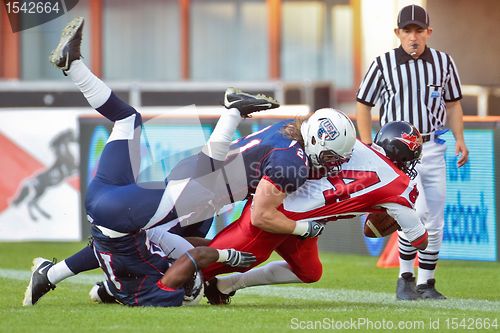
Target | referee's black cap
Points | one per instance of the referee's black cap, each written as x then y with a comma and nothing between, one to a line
413,14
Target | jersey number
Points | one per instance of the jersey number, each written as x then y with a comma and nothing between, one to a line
357,181
108,269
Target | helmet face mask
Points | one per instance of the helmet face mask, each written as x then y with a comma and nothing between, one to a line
329,138
402,143
331,160
409,167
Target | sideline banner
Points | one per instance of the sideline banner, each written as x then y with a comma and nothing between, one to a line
39,181
470,226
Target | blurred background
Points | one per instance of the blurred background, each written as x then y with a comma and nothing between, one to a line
160,55
328,44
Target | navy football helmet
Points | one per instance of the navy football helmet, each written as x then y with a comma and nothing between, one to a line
402,143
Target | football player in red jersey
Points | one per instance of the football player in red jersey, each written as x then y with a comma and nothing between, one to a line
377,178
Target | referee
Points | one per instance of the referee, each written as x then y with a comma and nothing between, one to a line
420,85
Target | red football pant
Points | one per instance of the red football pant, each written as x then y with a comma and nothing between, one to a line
301,254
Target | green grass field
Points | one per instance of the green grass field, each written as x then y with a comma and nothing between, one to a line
353,294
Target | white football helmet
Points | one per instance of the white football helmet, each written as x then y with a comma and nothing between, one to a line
329,137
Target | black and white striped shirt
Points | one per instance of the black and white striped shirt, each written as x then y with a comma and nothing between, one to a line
412,90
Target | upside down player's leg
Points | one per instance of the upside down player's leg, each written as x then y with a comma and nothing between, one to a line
114,109
119,210
119,161
67,57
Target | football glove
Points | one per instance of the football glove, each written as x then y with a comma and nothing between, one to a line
314,229
239,259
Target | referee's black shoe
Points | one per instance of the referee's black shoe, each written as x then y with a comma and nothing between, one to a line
406,290
68,49
247,103
428,290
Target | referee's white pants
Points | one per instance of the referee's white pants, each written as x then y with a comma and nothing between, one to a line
431,184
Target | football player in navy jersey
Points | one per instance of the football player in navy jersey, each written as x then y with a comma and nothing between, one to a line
276,162
120,209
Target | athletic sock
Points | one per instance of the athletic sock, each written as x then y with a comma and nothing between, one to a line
217,146
95,91
59,272
98,94
275,272
407,254
427,261
405,266
424,275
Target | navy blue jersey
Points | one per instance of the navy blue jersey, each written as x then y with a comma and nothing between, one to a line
133,266
269,153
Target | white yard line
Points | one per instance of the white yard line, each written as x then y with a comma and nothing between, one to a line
310,294
369,297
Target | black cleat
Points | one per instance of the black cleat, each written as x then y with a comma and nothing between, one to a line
68,48
247,103
405,290
214,296
39,283
428,290
100,294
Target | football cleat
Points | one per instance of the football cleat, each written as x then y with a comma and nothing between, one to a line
99,294
428,290
214,296
39,283
405,290
68,48
247,103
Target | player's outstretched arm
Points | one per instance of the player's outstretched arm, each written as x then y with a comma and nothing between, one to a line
195,259
266,216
